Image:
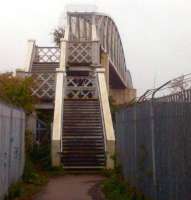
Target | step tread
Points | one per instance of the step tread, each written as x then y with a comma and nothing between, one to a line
82,139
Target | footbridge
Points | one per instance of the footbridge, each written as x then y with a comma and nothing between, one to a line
75,82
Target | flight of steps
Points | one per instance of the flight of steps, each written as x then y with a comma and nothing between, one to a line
44,68
82,139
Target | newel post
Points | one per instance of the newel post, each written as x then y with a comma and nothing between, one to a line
95,44
56,146
30,55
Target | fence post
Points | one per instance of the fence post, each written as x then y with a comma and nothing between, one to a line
152,117
135,142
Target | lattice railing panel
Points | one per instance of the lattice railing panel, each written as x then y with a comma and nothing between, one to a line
81,88
80,52
44,85
47,55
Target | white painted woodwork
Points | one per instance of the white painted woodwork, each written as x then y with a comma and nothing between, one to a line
30,55
106,113
56,147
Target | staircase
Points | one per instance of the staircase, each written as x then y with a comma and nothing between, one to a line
82,139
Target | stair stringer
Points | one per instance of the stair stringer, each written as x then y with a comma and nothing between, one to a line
109,135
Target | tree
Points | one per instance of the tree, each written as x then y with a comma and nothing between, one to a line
58,33
17,91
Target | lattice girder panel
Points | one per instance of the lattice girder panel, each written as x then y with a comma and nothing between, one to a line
80,53
44,85
47,55
81,88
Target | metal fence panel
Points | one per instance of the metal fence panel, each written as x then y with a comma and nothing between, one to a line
12,127
154,145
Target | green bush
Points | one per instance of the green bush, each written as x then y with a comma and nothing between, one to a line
30,174
17,91
41,155
115,190
15,190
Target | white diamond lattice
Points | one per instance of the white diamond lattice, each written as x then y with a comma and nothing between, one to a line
47,55
80,52
81,88
44,85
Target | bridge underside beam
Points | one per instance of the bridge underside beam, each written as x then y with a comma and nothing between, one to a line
114,79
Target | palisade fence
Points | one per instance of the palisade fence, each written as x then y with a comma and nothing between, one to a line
154,142
12,128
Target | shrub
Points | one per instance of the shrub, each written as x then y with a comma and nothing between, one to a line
114,189
15,191
17,91
41,155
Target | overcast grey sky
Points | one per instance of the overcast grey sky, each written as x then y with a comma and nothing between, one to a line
156,34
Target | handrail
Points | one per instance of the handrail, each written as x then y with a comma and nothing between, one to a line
102,115
107,119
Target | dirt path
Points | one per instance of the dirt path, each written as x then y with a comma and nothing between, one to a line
73,187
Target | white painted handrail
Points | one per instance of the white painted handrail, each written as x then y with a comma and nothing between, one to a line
107,119
56,147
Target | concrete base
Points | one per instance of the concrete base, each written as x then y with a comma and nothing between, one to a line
122,96
110,154
55,149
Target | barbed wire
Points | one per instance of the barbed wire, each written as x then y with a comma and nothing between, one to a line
176,86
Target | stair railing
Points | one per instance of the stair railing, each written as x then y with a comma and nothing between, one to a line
80,87
107,119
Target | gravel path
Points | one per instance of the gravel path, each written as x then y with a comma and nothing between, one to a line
73,187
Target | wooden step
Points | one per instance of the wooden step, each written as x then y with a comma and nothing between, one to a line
82,140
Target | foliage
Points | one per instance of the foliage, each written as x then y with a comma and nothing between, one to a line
30,174
58,33
16,190
17,91
31,183
28,141
41,155
116,188
37,170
